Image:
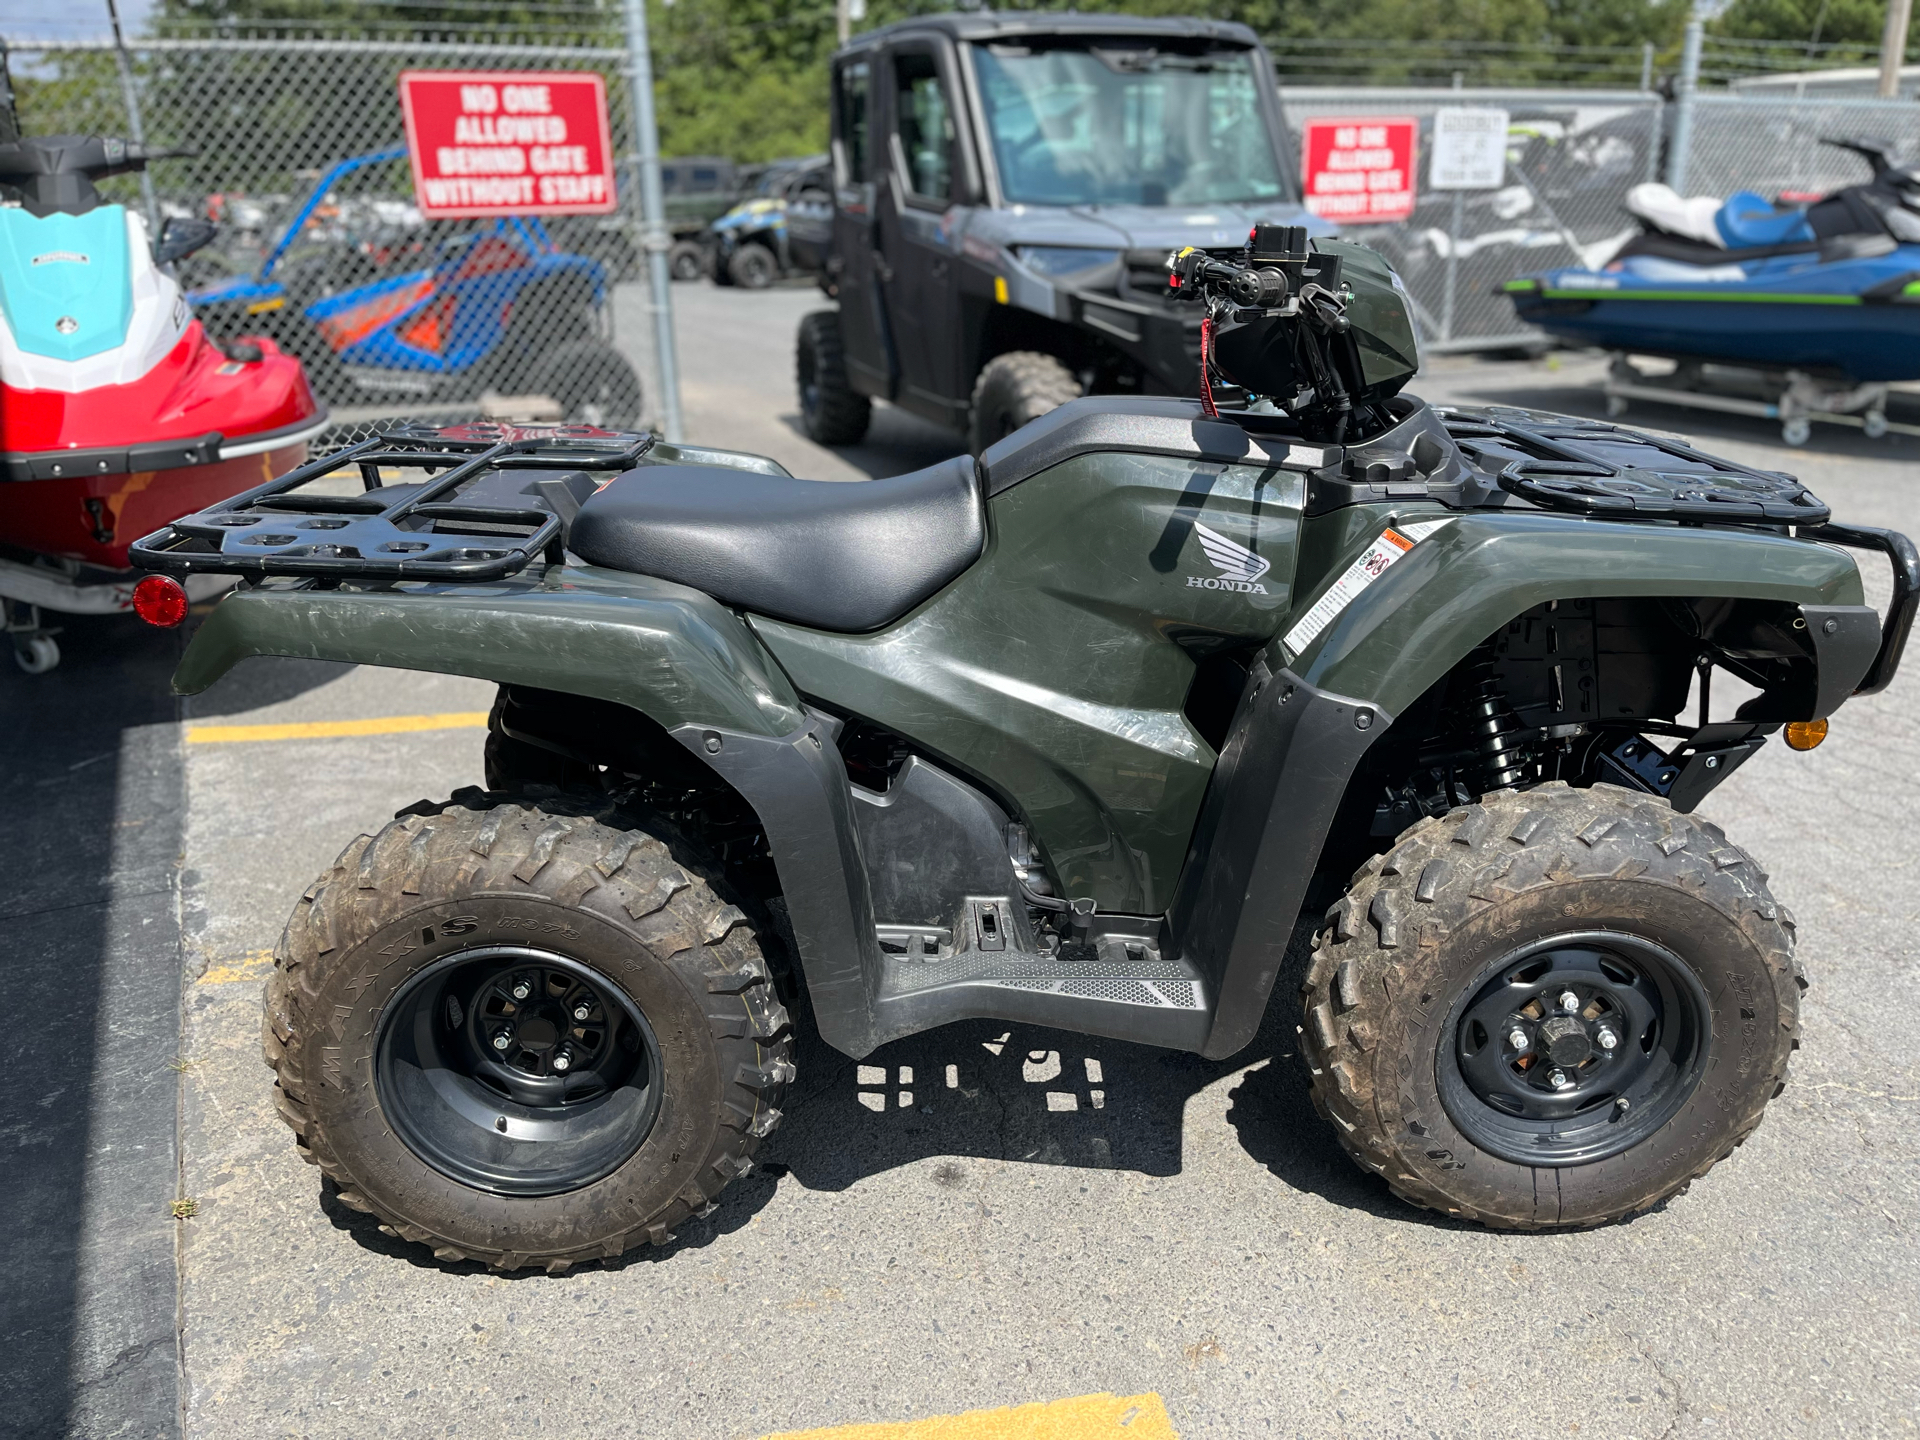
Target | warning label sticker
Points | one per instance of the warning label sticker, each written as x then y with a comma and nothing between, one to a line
1372,564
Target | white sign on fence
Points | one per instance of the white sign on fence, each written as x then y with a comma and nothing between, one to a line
1469,150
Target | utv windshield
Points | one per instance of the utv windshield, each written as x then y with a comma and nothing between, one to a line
1120,124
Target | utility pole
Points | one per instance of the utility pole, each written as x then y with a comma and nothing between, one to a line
1893,46
136,132
655,241
845,13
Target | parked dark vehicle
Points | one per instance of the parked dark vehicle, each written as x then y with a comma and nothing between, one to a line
784,226
1079,734
1008,188
695,189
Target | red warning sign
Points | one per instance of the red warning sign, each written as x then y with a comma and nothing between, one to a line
495,142
1360,168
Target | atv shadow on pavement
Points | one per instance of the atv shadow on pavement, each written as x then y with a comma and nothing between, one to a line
988,1090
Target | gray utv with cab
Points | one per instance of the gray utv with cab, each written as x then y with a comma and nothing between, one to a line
1007,189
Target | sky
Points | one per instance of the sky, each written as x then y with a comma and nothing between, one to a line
25,20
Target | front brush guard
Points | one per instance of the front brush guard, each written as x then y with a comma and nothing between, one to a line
1905,561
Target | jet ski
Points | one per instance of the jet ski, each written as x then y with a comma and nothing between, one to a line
117,413
1825,297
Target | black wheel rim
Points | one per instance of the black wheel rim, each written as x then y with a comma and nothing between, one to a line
533,1093
1574,1048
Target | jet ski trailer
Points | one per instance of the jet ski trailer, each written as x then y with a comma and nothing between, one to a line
1795,398
1787,314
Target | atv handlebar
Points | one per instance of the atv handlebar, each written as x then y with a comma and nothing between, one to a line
1272,281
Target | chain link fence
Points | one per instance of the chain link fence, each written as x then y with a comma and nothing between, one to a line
1773,146
398,316
1571,158
297,153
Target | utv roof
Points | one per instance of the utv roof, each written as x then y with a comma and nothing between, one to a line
1012,25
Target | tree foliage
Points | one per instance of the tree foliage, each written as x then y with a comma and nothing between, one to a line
1812,22
748,78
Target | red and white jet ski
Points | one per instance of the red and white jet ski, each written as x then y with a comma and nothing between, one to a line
117,413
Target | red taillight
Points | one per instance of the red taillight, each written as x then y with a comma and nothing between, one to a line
159,600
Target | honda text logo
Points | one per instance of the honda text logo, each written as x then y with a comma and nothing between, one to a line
1240,569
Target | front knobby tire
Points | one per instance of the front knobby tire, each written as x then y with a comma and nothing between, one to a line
1014,389
1658,935
398,971
831,410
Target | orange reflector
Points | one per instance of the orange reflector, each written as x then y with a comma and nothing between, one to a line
1805,734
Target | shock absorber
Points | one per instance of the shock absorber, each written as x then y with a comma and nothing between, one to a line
1496,732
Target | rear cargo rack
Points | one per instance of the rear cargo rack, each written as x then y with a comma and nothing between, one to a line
1560,462
412,530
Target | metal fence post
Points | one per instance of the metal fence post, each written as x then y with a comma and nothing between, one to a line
9,117
136,132
1450,295
1893,46
1689,81
655,241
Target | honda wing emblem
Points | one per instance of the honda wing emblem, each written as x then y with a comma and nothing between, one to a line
1240,569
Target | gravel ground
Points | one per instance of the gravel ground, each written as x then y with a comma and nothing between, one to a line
1200,1235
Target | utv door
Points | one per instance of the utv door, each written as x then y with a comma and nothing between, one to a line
924,168
863,311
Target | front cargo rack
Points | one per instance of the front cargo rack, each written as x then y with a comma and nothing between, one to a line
1560,462
495,498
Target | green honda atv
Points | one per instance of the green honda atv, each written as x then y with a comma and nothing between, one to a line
1069,736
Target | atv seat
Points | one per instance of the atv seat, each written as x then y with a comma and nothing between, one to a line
829,555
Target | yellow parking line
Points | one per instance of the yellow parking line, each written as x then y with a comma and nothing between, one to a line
1085,1417
254,965
331,729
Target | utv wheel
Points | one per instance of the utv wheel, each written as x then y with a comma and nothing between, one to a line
831,411
752,267
686,261
1551,1009
1014,389
523,1034
593,384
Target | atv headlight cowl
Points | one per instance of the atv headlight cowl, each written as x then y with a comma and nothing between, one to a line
1070,264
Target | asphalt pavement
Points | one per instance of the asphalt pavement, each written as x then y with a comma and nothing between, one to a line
955,1222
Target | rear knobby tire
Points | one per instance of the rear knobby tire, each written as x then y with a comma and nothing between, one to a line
753,266
592,383
580,882
1014,389
831,410
1423,927
687,260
